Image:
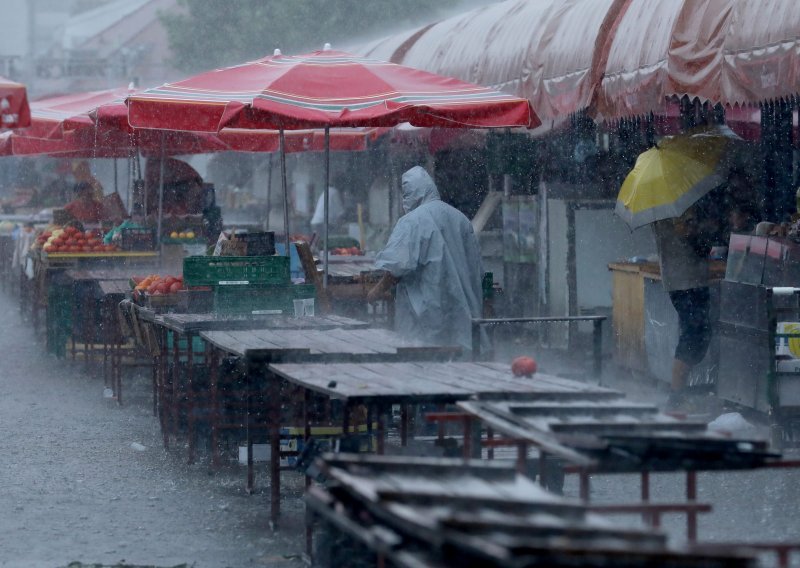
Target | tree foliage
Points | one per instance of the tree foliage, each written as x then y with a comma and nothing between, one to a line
207,34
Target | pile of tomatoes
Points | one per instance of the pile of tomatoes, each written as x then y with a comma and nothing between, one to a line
347,251
73,240
156,285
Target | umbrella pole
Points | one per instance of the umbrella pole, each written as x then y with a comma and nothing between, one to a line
282,139
327,203
160,192
269,192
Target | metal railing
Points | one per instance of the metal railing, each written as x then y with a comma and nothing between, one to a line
597,333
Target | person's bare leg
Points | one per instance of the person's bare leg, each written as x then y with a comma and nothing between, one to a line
680,375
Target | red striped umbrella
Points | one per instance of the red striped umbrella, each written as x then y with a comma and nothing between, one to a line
14,110
323,89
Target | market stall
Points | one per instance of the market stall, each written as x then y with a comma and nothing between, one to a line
759,330
645,323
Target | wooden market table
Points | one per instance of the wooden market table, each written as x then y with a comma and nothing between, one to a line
89,309
51,289
185,328
259,348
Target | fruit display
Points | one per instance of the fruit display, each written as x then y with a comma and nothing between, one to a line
345,251
183,235
73,240
156,285
523,367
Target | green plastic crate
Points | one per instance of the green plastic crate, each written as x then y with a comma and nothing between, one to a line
236,270
252,300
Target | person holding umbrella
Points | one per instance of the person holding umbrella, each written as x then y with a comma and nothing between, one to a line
683,247
679,187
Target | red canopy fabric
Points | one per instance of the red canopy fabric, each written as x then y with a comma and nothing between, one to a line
94,124
324,88
14,109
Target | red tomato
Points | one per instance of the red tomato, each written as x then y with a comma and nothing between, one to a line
523,366
174,287
89,234
74,248
169,280
162,287
86,248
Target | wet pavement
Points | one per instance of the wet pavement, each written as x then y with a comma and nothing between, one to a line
84,480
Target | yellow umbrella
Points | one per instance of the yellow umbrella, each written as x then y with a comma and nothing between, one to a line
671,177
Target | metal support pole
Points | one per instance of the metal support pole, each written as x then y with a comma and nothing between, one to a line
284,185
327,205
160,190
476,340
597,349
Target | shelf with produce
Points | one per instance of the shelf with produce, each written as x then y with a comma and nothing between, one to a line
117,254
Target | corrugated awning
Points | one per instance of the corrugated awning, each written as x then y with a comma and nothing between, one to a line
617,57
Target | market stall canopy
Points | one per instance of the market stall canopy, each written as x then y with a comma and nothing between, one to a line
14,110
733,52
323,89
94,124
542,50
615,58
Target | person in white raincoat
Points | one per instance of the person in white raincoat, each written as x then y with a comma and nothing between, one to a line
434,258
335,212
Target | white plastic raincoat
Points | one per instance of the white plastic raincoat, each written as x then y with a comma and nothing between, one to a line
435,255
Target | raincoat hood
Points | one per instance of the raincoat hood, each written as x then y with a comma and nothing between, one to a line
418,188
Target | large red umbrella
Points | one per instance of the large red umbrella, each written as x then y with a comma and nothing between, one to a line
323,89
14,110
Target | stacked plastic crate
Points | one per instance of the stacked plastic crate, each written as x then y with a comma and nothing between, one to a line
246,285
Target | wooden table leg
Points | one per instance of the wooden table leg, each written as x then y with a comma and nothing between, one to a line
163,406
404,425
257,369
213,370
190,395
691,496
174,403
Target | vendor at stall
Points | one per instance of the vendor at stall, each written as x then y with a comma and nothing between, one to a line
83,174
183,188
84,207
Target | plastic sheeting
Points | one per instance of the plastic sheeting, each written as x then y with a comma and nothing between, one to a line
615,57
435,254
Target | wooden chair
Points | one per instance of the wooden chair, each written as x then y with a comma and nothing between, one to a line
313,276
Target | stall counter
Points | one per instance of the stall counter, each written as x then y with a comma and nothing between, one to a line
645,324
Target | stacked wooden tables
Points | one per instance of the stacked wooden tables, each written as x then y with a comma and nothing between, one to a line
618,436
423,512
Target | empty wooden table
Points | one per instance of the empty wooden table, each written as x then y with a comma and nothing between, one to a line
260,348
